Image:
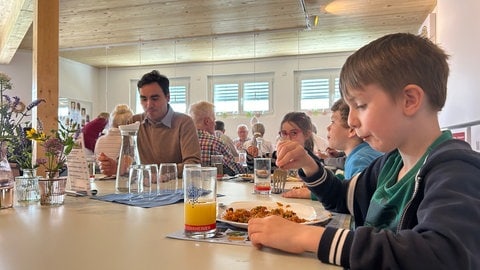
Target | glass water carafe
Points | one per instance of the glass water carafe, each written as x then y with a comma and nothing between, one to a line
128,155
6,178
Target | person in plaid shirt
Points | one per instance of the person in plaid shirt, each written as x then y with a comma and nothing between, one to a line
203,116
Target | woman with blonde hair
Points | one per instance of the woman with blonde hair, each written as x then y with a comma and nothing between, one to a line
110,143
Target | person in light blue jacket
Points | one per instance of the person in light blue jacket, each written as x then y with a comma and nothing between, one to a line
358,154
341,136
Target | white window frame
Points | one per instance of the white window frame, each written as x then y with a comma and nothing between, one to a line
136,105
240,103
180,82
331,75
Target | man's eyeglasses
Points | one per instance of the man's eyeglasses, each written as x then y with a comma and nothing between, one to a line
292,133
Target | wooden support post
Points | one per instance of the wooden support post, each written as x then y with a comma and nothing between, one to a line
45,65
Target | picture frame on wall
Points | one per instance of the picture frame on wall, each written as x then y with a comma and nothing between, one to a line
463,134
72,111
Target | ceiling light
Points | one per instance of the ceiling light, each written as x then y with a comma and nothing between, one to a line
311,21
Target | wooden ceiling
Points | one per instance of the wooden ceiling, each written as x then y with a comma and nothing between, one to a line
118,33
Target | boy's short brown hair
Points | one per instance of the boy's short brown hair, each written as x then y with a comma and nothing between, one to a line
343,109
396,60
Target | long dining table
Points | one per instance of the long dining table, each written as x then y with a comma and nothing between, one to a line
90,234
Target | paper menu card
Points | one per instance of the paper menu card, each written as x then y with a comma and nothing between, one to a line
78,170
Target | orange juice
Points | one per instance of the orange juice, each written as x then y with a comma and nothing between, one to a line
200,217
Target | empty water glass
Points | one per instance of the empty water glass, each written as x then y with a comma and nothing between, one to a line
189,165
135,179
168,179
155,187
147,179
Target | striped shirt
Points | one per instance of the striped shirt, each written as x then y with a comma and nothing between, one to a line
109,144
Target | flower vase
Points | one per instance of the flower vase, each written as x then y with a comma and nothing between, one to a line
52,189
27,190
7,181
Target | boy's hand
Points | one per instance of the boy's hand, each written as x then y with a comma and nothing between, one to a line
292,155
279,233
302,193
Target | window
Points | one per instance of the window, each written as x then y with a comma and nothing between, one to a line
317,89
178,95
237,94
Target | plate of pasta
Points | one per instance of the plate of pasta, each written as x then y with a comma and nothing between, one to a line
239,213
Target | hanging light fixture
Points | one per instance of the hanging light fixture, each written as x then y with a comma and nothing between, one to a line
175,58
173,83
298,50
311,21
106,76
255,116
212,67
254,57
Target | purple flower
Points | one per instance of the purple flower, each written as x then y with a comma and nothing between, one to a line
34,104
16,100
41,161
53,146
7,99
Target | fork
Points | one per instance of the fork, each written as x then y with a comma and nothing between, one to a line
279,179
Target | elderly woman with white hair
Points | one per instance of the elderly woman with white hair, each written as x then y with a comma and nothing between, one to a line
258,130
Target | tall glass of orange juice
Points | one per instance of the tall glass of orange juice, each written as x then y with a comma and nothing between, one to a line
200,196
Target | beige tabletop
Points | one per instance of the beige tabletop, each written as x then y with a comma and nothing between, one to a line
91,234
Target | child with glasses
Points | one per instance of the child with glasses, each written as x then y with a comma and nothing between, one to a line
297,127
342,137
416,207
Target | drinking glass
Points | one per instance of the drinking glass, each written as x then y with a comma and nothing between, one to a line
263,169
242,158
147,180
217,161
135,179
190,165
200,197
154,177
168,179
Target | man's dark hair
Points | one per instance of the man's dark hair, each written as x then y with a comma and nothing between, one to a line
155,76
219,125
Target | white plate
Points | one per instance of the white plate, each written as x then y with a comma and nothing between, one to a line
303,211
245,176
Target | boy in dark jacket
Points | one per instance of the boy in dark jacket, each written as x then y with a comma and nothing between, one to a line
418,206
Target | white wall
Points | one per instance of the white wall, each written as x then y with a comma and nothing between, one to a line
77,81
20,72
458,32
118,85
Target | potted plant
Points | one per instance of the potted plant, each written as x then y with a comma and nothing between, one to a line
56,146
12,113
20,151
